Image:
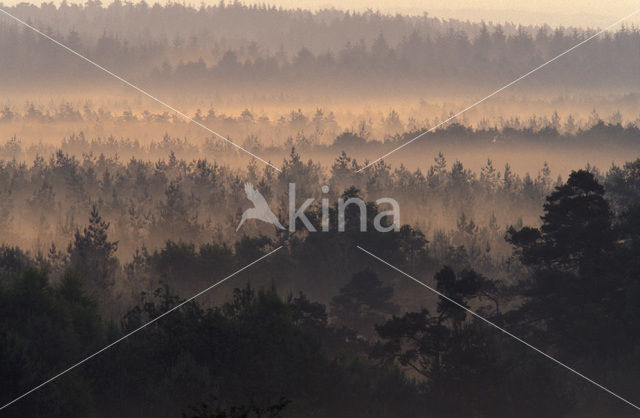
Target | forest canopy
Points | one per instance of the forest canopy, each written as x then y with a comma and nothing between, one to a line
155,260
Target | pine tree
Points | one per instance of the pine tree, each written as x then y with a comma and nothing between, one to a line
92,255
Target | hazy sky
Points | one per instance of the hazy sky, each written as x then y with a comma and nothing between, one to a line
568,12
562,12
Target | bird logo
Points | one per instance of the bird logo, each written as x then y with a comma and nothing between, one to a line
260,210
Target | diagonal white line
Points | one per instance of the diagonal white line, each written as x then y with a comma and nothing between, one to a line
501,89
137,88
500,328
138,329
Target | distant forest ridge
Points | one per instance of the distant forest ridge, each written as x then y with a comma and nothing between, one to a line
233,22
319,126
266,46
67,111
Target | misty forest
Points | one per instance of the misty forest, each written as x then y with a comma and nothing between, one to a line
521,215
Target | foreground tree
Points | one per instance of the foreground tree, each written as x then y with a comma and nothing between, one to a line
460,357
576,290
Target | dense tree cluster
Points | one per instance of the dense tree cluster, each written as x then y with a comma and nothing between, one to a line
461,215
148,203
198,46
106,239
379,349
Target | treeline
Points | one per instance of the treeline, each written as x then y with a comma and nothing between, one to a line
369,351
452,58
151,202
45,202
233,25
318,121
36,131
235,44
